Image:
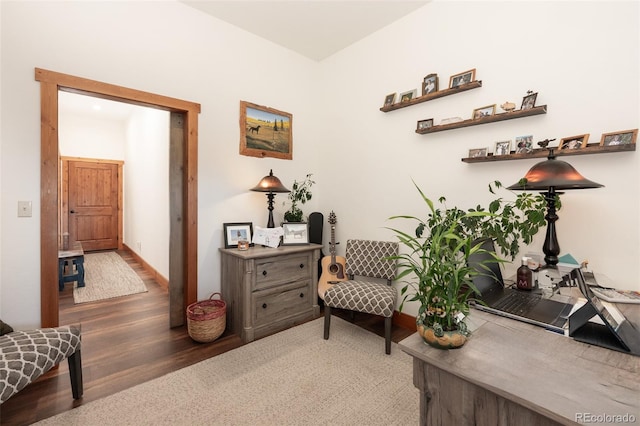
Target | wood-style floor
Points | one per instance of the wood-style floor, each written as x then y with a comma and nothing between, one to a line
127,341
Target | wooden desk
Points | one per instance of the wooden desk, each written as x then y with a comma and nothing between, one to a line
74,258
512,373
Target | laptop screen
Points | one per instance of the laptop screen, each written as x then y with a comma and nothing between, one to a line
489,276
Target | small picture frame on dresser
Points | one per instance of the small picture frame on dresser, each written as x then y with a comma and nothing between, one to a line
295,233
237,231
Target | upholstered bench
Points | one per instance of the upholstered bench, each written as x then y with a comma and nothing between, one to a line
27,355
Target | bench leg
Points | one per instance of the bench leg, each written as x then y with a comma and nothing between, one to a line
80,268
75,373
327,321
387,335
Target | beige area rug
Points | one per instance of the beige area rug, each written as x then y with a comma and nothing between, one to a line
294,377
107,275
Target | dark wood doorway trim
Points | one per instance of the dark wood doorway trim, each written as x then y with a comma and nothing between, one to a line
185,213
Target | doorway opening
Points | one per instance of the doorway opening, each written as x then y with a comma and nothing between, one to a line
182,182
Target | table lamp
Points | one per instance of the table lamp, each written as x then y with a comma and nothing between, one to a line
549,176
270,184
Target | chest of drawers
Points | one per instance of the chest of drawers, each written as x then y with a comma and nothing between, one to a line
268,290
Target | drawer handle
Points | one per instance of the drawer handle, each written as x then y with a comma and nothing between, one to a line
301,295
264,306
302,266
264,273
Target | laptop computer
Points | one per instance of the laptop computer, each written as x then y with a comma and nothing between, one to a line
527,306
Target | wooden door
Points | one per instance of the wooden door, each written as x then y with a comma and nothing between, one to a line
93,204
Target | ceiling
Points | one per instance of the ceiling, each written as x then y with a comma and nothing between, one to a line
315,29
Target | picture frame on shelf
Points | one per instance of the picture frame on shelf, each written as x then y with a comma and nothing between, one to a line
408,95
295,233
430,84
502,148
623,137
529,101
390,99
237,231
524,144
462,78
425,124
573,142
485,111
265,132
478,152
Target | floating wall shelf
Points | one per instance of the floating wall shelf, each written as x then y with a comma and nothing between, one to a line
543,152
435,95
484,120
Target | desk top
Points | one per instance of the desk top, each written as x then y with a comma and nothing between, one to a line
74,251
541,370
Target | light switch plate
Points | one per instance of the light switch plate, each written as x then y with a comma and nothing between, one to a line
24,208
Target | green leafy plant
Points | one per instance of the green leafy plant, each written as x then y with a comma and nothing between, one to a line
435,263
300,194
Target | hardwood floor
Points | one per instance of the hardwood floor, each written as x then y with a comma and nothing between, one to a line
127,341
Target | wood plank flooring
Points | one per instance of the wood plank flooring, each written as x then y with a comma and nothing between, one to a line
127,341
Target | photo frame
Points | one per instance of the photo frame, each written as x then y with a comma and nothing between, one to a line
237,231
623,137
485,111
390,99
425,124
573,142
430,84
265,132
462,78
529,101
478,152
502,148
524,144
295,233
408,95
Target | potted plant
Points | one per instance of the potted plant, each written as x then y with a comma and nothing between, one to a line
434,264
300,194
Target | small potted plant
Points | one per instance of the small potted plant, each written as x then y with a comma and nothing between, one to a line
300,194
434,264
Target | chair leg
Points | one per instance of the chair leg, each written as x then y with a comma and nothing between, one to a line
327,321
75,373
387,335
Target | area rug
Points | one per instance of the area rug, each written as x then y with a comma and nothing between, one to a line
294,377
107,275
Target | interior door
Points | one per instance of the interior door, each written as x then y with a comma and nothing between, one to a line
93,204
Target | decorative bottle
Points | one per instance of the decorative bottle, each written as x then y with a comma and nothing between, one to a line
524,276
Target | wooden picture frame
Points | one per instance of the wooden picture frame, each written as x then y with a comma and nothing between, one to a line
408,95
529,101
478,152
624,137
574,142
485,111
390,99
502,148
295,233
462,78
237,231
430,84
524,144
265,132
425,124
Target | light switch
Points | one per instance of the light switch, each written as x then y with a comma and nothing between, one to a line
24,208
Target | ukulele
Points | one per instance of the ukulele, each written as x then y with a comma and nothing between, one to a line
333,266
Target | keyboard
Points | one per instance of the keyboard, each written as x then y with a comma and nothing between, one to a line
517,303
617,296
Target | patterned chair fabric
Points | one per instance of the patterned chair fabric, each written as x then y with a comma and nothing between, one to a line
366,259
26,355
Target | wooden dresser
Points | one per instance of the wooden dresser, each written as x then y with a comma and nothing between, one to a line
268,290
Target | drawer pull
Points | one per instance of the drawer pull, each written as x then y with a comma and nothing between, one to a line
301,295
302,266
264,273
264,306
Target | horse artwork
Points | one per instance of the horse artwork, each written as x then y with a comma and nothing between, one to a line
265,132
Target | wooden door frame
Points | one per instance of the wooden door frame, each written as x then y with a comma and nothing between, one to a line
186,213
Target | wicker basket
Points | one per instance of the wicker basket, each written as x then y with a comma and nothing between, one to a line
207,319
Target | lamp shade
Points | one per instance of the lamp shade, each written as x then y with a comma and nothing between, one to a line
553,173
270,183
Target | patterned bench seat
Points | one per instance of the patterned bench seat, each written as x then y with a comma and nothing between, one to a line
27,355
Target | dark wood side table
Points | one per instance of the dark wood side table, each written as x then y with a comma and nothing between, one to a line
74,259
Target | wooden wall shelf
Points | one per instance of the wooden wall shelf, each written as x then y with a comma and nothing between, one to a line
594,148
542,109
435,95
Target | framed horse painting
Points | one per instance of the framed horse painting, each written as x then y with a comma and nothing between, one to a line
265,132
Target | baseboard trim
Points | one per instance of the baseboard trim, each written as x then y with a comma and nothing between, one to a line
404,320
150,269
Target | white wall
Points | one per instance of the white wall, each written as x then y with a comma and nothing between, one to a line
582,58
87,137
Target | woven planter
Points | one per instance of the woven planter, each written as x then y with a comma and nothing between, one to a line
207,319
